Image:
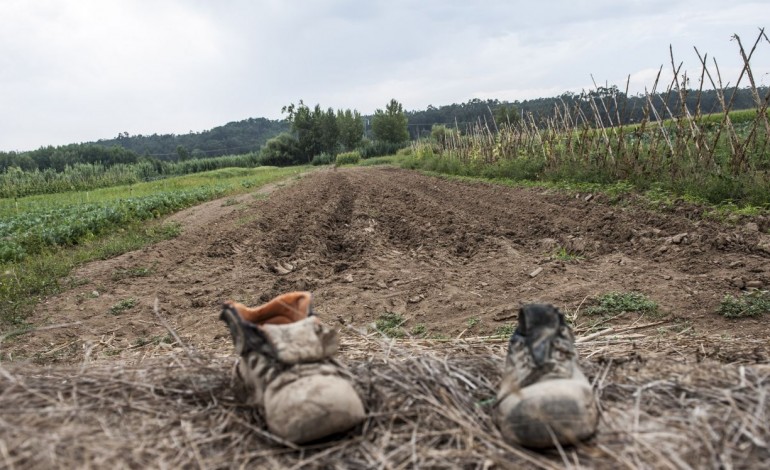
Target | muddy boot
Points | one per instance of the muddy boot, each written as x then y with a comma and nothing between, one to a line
288,371
544,398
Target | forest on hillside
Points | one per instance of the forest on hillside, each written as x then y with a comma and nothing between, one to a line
251,135
620,108
233,138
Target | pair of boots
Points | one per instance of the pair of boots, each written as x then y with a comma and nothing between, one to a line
288,369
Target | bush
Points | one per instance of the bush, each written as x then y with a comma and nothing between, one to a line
323,159
348,158
378,148
282,150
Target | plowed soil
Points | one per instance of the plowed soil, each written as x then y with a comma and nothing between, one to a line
452,258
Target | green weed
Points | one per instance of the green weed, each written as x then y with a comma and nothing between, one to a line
505,330
563,254
347,158
750,304
122,306
390,324
419,330
615,303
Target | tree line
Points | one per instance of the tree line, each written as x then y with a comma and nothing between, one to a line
620,108
317,133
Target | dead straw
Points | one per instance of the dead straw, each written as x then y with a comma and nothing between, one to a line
430,405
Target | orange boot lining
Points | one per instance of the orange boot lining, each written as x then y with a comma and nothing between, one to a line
286,308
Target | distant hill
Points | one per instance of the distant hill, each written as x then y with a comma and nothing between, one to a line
237,137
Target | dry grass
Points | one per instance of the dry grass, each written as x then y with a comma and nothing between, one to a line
429,405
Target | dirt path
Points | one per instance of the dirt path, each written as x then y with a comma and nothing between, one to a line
450,257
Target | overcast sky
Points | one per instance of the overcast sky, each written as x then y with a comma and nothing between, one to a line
83,70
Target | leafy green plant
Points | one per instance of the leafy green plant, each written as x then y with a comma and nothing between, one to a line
348,158
390,324
419,330
505,330
323,159
563,254
613,303
750,304
473,321
122,306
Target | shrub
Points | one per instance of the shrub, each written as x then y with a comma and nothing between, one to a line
348,158
323,159
282,150
378,148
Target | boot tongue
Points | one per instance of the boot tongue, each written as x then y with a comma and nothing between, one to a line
538,325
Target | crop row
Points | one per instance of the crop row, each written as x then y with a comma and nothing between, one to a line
32,232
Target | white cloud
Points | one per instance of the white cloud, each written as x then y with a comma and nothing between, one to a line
79,70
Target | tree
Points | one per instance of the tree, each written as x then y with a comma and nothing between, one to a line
506,115
443,134
328,131
182,153
351,127
282,150
305,125
390,125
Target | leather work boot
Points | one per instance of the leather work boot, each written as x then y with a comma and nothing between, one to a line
544,398
288,371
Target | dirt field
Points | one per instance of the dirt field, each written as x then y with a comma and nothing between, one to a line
371,241
454,259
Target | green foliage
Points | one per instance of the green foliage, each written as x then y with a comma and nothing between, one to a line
443,135
122,306
27,276
351,128
238,137
390,324
506,115
473,321
282,150
378,161
390,125
182,153
563,254
378,148
323,159
751,304
87,176
505,330
613,303
348,158
31,232
419,330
